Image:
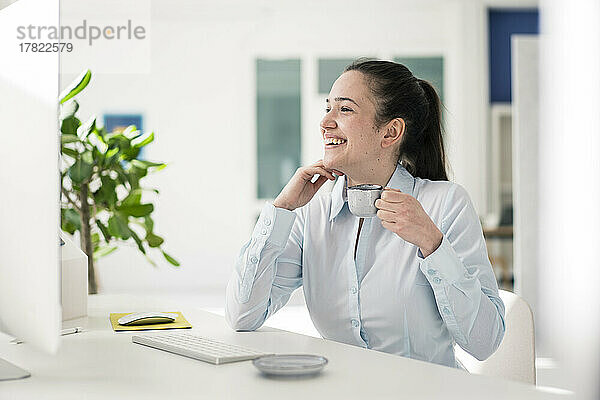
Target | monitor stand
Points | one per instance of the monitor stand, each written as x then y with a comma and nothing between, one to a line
9,372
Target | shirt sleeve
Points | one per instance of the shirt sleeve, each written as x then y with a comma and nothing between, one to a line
267,270
463,281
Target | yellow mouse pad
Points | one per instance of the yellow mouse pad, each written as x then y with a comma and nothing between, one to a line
179,323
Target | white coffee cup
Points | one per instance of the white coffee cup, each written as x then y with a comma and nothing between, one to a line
361,200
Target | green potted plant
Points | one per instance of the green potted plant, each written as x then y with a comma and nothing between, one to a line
101,191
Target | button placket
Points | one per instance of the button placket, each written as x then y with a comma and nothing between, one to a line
353,298
358,264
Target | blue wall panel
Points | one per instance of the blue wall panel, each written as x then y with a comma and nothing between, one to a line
502,24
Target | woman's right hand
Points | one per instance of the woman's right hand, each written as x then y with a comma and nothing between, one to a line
300,189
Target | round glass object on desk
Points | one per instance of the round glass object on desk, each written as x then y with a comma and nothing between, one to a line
290,365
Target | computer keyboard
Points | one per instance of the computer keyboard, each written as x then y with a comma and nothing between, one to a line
197,347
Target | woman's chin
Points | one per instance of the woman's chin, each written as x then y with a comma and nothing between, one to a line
330,163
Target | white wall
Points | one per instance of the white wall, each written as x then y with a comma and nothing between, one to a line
199,98
29,216
569,190
525,92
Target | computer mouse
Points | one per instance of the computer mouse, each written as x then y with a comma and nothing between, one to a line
147,318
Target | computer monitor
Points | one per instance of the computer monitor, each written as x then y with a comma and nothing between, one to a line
29,183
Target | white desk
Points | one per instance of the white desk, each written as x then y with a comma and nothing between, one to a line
102,364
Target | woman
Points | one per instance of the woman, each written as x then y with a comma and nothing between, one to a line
413,281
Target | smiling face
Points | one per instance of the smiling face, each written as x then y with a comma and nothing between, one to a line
351,138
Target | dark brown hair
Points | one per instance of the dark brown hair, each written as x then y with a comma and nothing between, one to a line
399,94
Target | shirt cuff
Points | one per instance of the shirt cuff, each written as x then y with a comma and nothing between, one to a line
274,224
443,266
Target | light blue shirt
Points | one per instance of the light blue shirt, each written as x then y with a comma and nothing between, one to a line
389,298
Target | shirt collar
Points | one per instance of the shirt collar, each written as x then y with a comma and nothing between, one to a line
401,179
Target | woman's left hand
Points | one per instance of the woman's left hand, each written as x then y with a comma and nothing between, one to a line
403,214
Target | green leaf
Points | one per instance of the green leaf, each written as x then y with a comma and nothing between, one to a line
97,155
136,210
171,260
131,132
85,129
133,198
88,157
111,157
112,152
140,172
147,164
149,223
68,109
104,231
67,138
95,238
80,171
142,140
70,220
117,139
154,240
131,153
100,132
138,241
70,229
138,164
106,193
104,251
108,183
117,226
70,152
76,86
69,126
98,144
134,175
73,217
122,177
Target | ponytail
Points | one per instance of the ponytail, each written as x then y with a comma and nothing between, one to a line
423,154
399,94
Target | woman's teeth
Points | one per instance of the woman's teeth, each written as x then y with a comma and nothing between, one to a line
333,141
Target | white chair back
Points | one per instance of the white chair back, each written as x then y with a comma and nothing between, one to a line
515,358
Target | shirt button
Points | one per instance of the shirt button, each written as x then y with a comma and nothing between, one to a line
267,221
431,271
353,290
437,280
264,231
354,323
253,259
446,311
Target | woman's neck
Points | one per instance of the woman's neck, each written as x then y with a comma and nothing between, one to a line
376,174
